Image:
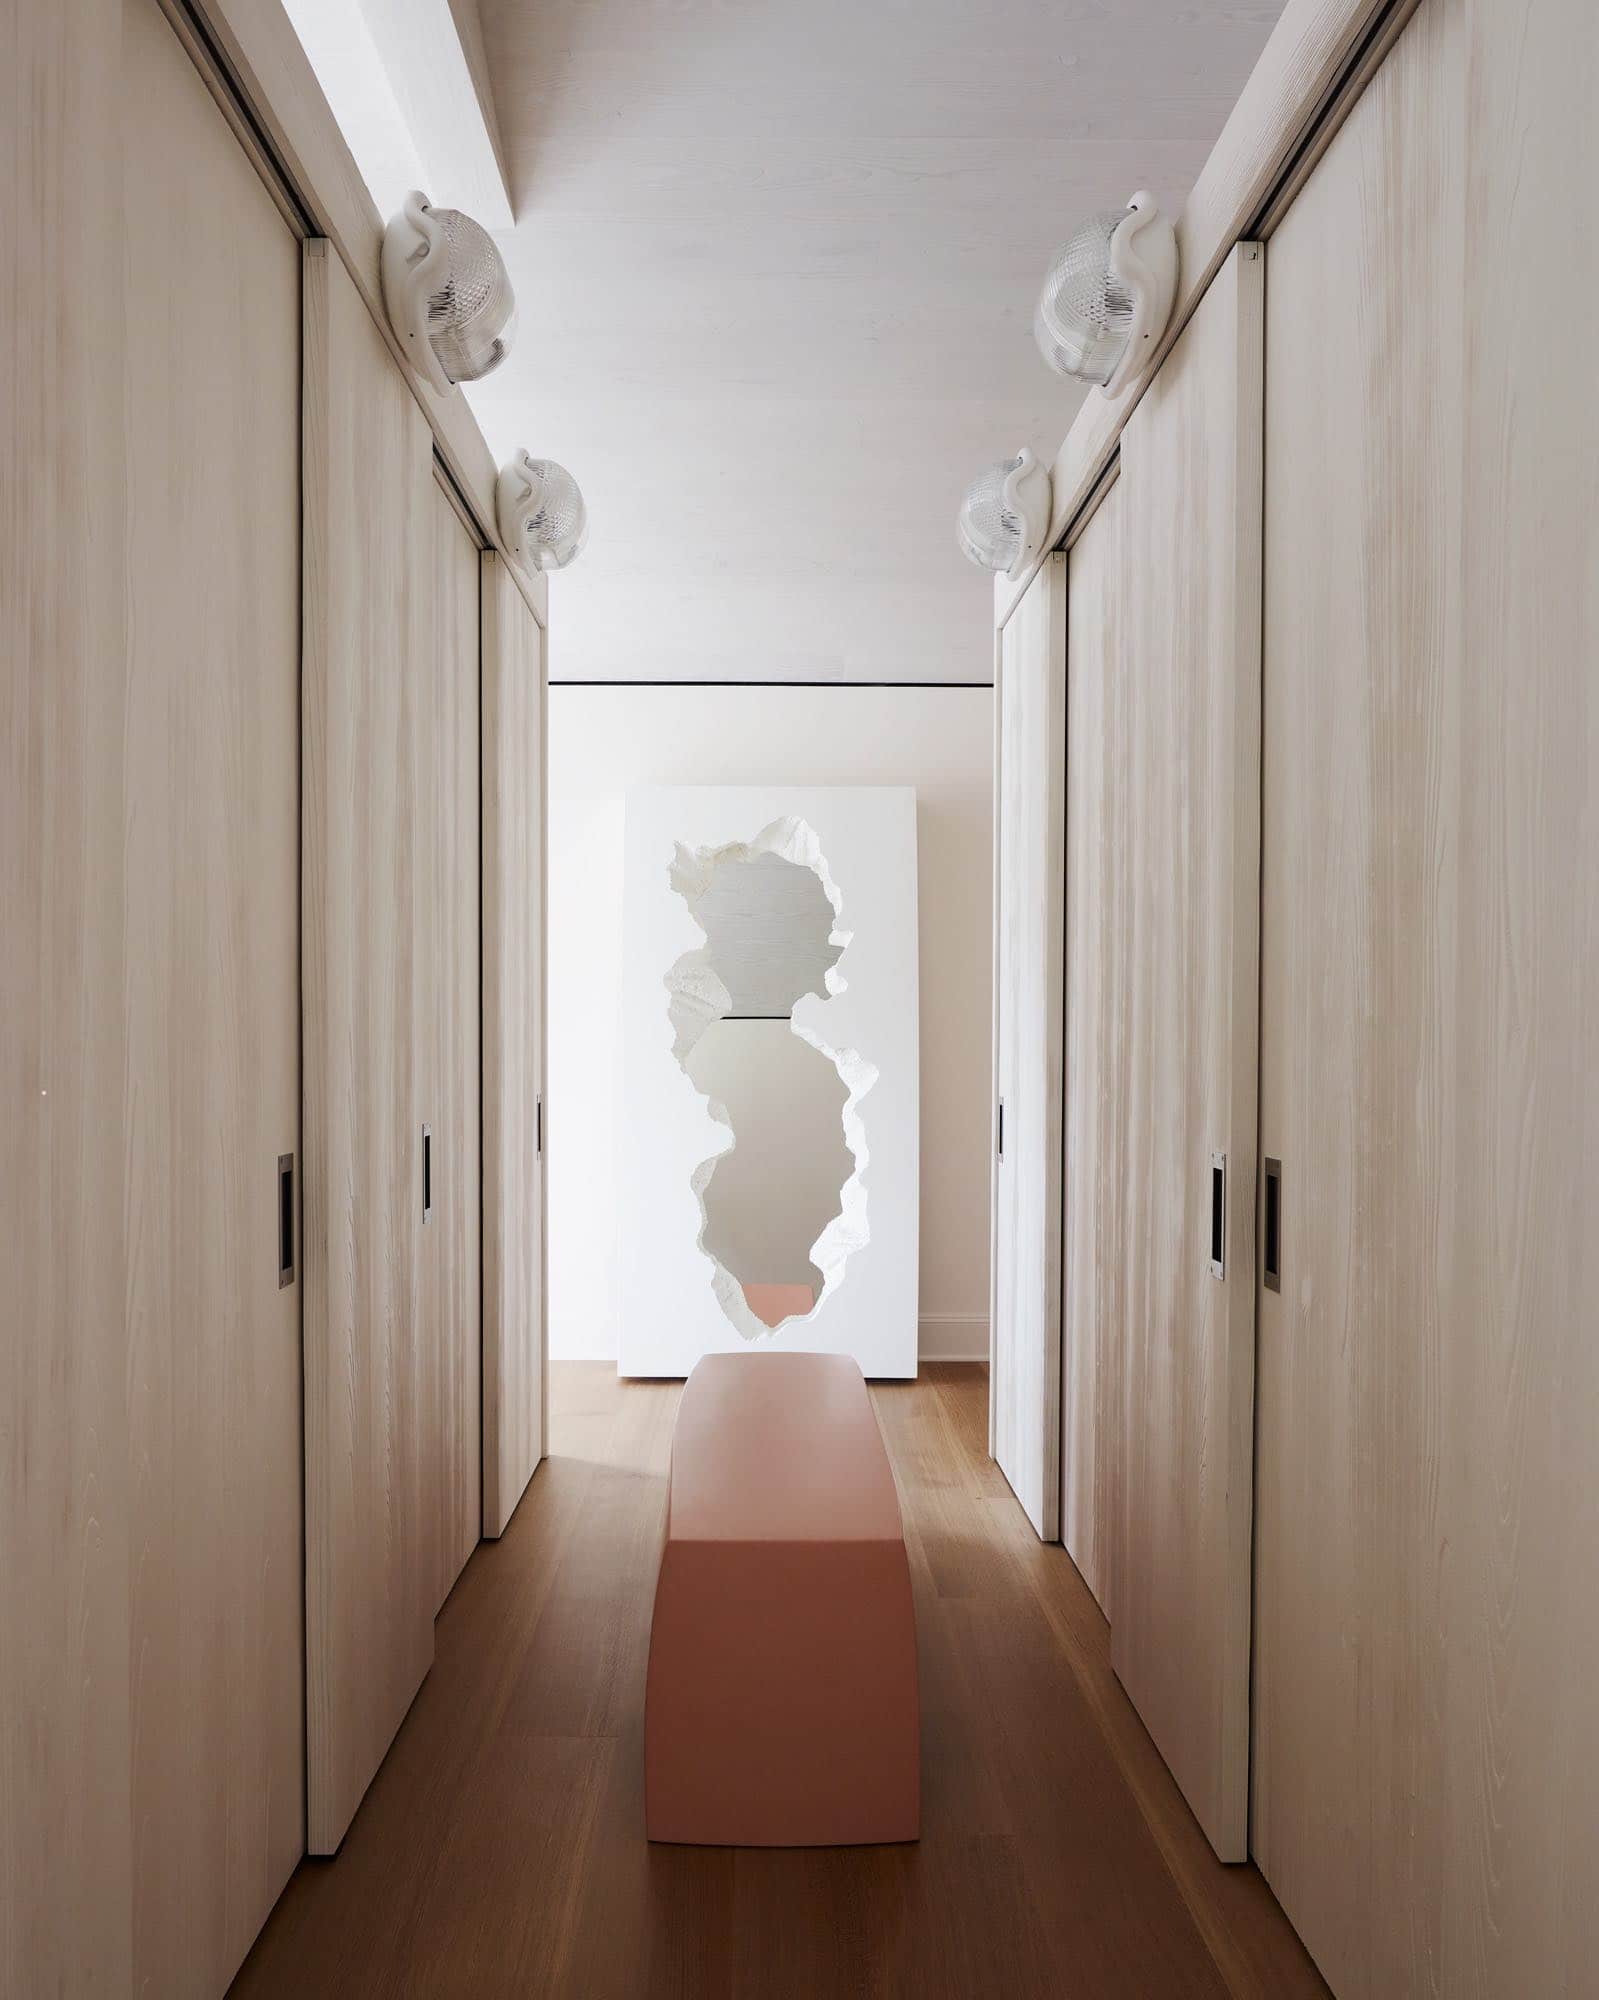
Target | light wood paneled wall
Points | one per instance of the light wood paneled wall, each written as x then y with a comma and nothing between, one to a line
1029,828
1426,1730
513,1044
152,1655
448,968
1190,498
1098,899
371,1386
210,845
66,1865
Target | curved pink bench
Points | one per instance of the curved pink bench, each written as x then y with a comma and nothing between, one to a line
781,1708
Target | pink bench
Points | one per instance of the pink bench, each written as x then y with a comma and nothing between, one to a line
781,1708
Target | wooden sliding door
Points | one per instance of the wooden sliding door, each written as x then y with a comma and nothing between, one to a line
1029,831
66,1868
447,971
211,848
1190,496
151,1664
513,1043
1426,1731
372,1375
1095,1190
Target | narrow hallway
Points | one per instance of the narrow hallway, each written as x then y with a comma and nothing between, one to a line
499,1851
838,1246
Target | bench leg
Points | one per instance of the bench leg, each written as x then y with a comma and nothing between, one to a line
781,1708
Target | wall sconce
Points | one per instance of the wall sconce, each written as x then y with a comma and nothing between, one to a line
447,293
1004,516
543,521
1108,296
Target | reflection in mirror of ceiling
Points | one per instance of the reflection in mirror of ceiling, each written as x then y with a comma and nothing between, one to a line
767,923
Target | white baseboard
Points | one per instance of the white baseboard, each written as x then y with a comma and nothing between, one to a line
582,1340
952,1337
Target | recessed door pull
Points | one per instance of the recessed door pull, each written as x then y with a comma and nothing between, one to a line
285,1220
1272,1226
1001,1129
427,1173
1218,1215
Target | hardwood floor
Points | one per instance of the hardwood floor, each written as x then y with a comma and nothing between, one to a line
501,1848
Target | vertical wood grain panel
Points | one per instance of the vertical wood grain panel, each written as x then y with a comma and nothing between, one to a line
372,1566
1029,921
150,1696
211,849
449,961
1097,973
1358,842
66,1880
1190,496
1521,1852
151,1656
513,1044
1427,1732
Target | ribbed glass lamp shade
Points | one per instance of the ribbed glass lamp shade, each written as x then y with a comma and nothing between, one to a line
990,533
1085,313
471,318
559,525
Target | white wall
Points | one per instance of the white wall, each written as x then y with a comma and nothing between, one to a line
604,740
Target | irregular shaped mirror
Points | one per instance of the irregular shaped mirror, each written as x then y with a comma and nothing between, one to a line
773,1201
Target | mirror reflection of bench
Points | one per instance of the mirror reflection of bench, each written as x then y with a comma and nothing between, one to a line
776,1303
781,1708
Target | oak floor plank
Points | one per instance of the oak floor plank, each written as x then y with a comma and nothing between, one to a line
501,1851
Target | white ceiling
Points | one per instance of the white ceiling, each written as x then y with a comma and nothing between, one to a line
776,263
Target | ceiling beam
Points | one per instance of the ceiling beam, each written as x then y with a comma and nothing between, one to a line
451,120
409,85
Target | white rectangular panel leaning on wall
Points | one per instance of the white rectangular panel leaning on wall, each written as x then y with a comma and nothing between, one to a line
1029,1016
677,1300
513,1043
605,739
